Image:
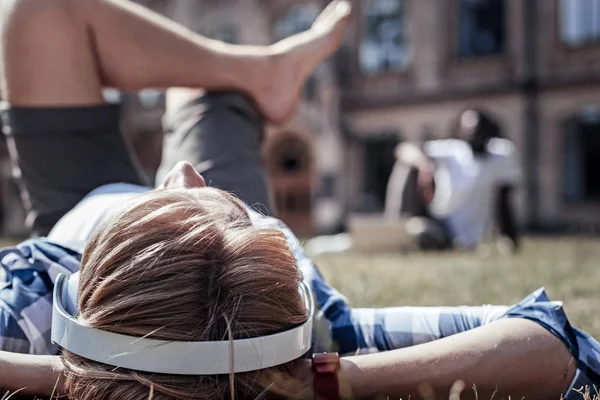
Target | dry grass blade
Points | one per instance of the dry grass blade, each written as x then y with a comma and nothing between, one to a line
54,389
231,359
151,394
264,392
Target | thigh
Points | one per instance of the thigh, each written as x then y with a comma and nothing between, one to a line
46,55
220,134
374,330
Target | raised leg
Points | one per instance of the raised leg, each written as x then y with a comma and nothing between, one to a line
61,52
58,55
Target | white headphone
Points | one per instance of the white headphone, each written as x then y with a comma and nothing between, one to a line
172,357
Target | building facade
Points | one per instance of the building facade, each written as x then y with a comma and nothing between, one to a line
406,71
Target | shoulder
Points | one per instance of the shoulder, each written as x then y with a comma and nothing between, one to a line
502,147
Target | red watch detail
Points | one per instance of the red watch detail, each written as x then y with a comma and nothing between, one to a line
326,383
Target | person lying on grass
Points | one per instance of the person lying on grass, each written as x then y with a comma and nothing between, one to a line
186,291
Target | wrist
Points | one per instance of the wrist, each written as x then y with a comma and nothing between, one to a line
326,383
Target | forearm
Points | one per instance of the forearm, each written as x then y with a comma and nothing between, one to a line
36,375
515,357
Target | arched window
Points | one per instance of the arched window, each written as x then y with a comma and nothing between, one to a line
290,164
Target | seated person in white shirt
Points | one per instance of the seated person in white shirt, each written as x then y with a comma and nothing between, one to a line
453,192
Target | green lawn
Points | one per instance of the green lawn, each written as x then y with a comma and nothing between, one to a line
568,268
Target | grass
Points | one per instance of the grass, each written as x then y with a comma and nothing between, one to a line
569,268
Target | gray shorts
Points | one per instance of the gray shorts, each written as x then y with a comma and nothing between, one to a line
61,154
220,134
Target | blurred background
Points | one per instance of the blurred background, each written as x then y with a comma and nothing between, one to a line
407,70
405,73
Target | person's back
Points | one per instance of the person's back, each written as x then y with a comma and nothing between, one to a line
450,191
466,184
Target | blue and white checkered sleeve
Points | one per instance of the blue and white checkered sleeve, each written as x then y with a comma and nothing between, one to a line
25,305
12,337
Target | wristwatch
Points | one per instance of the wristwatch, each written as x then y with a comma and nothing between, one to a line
326,367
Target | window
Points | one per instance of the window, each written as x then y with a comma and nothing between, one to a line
580,21
380,159
481,28
328,186
290,155
384,45
581,181
299,18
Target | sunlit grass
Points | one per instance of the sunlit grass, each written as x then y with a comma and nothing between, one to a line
569,268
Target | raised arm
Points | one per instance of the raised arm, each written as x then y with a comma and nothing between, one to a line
411,154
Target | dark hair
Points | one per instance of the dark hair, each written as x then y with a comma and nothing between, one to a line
486,125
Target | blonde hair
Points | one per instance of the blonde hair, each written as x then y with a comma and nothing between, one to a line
185,265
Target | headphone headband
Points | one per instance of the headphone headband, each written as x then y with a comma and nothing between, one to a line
173,357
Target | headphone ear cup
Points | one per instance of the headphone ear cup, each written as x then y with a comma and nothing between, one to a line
71,294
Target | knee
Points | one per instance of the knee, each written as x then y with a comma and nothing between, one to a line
25,19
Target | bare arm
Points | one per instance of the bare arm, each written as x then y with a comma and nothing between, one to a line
36,375
412,155
514,357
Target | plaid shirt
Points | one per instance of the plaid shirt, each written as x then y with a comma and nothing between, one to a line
26,294
31,268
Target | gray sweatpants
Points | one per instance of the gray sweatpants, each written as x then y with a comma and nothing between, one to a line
61,154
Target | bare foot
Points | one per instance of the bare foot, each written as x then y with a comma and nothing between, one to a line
295,58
